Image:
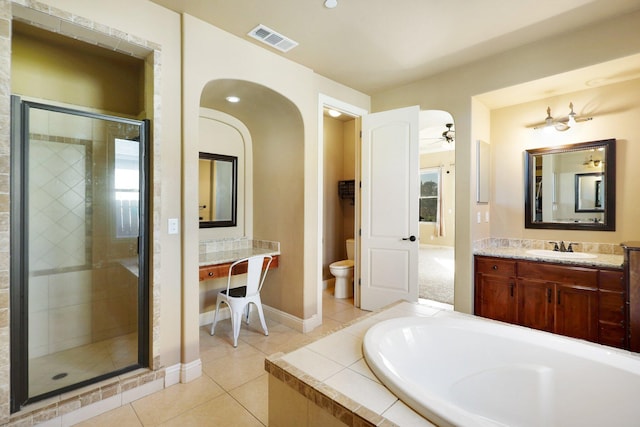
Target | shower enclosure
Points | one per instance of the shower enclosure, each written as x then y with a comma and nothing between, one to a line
79,248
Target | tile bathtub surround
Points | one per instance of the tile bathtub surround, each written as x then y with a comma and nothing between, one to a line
330,378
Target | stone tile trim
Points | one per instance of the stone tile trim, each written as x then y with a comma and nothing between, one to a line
232,244
590,247
46,410
330,400
98,34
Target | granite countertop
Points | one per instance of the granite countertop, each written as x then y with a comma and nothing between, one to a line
223,257
601,260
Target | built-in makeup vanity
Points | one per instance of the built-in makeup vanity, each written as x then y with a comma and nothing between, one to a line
580,295
217,255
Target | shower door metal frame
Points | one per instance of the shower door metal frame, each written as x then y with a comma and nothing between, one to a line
19,316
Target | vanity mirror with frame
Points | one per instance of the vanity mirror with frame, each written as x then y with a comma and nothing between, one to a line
217,191
571,187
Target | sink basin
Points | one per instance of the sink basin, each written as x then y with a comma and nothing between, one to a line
560,255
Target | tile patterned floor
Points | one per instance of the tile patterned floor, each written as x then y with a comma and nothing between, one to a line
81,363
233,388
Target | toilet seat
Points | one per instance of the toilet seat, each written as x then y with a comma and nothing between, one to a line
346,263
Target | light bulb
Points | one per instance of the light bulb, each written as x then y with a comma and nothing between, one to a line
548,126
572,116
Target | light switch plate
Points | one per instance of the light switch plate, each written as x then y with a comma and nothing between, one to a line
173,226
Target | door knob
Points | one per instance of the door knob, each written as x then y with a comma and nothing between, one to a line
410,238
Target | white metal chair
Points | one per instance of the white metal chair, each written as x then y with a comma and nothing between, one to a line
239,298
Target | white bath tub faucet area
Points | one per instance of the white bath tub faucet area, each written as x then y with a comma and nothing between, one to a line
461,370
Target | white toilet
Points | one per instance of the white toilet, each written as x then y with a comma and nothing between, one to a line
343,272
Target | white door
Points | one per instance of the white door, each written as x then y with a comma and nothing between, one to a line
389,200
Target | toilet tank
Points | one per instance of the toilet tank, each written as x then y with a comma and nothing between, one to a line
350,248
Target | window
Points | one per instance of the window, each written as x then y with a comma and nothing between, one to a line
127,188
429,194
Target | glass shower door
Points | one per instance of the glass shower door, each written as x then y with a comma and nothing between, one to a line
83,245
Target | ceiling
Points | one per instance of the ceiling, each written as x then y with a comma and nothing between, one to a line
373,45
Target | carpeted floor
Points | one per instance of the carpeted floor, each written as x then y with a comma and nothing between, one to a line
436,273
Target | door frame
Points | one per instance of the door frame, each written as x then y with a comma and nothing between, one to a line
329,102
19,316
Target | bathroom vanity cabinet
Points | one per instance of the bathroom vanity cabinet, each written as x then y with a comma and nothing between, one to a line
575,301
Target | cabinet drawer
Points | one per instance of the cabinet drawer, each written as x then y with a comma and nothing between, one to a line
213,272
611,307
612,280
559,273
495,266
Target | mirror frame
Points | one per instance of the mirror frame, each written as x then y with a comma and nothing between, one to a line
609,223
234,194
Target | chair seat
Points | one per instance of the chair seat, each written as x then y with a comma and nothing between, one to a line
239,292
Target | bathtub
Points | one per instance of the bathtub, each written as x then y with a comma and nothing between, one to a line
461,370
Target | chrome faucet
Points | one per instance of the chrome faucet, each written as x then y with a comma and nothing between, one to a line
562,246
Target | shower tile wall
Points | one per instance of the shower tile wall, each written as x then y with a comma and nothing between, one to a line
76,295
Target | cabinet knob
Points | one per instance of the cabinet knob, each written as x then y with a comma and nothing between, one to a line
495,267
211,274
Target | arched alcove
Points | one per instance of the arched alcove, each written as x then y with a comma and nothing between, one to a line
276,177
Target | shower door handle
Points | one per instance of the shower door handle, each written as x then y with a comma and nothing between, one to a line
410,238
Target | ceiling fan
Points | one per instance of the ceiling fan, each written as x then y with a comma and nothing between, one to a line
447,136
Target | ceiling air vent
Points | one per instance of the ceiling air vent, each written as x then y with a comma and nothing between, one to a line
272,38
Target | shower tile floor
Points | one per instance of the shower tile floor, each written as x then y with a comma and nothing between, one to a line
81,363
232,390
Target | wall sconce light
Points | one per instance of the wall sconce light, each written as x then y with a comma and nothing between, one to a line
591,163
562,124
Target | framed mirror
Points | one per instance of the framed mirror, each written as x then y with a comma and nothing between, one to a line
571,187
217,191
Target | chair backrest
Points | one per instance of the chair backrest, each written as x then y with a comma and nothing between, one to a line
255,277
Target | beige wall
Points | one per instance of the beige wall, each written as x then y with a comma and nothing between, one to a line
453,91
446,160
51,67
339,164
220,133
616,112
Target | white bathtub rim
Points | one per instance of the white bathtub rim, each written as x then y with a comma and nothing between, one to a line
437,410
443,412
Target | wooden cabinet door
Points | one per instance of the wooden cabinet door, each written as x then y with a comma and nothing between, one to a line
612,325
576,312
535,304
497,298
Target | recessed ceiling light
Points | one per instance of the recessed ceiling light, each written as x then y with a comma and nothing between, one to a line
330,4
233,99
334,113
